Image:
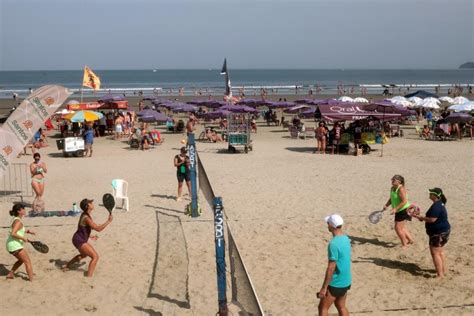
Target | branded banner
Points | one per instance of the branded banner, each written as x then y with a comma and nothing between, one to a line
27,119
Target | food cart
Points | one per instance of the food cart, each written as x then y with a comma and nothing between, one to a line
71,145
238,132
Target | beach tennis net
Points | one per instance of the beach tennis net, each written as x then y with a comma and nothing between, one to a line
243,292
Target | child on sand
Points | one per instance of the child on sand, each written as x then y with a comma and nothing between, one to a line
15,241
81,237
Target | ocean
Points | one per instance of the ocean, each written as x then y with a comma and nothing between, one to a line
210,82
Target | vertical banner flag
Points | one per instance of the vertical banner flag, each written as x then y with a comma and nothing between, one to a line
27,119
90,79
228,90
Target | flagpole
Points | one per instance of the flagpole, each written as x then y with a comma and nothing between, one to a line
82,88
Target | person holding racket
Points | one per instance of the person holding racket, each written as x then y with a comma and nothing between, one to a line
437,228
338,277
15,241
81,236
399,202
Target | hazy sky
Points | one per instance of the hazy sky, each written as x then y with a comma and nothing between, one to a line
198,34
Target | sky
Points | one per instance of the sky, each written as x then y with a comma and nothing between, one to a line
259,34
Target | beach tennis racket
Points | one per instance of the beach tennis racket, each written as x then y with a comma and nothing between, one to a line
39,246
376,216
109,202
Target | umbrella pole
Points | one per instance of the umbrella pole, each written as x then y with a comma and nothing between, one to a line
383,130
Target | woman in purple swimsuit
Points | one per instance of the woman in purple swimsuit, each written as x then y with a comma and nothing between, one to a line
81,236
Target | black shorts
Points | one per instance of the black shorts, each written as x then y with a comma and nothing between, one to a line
439,240
338,291
183,176
402,216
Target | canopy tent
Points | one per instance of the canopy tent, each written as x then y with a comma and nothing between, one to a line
421,94
351,113
113,105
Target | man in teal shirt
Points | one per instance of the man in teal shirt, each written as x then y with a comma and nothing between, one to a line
338,277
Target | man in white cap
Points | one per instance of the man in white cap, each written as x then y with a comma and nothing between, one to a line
338,277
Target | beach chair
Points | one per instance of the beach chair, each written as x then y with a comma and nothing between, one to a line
310,132
293,132
120,190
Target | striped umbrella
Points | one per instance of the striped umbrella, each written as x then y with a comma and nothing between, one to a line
81,116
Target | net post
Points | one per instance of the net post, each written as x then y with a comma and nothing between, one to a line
220,256
192,169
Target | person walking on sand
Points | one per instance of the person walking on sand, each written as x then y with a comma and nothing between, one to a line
338,277
81,237
38,170
15,241
437,228
182,164
399,202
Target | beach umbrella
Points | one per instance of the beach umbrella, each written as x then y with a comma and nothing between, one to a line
280,104
460,100
397,99
184,108
238,108
447,99
110,97
459,118
217,114
83,116
361,100
152,116
430,104
64,112
345,99
465,107
430,99
416,101
308,113
296,109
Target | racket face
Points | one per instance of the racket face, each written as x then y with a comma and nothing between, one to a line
40,247
109,202
375,217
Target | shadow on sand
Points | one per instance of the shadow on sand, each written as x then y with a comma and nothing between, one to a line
411,268
373,241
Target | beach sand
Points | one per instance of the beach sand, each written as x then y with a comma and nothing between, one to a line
155,260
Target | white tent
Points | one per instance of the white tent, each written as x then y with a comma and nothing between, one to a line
361,100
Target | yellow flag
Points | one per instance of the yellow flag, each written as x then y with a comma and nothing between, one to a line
90,80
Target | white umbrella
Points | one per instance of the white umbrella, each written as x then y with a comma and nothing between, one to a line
460,100
430,104
398,98
361,100
404,103
430,99
64,111
447,99
415,100
465,107
345,99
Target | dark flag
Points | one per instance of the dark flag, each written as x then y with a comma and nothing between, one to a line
228,90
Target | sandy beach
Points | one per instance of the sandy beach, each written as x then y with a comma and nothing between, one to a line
155,260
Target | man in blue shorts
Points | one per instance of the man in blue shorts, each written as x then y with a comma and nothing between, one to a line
338,277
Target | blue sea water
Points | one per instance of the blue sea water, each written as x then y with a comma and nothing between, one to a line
211,82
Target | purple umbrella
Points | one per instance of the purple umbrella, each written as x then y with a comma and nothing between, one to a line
238,108
281,104
253,102
152,116
309,113
109,98
185,108
459,118
217,114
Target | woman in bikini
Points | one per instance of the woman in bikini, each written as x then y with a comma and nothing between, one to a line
81,237
321,135
38,170
399,202
15,241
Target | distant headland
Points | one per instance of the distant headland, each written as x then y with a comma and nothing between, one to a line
469,65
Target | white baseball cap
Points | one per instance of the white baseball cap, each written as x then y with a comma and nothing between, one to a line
334,220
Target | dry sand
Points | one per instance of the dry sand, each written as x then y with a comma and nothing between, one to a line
155,260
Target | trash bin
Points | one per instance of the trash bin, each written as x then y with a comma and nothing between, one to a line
60,144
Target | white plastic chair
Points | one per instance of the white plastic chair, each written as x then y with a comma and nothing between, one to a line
120,190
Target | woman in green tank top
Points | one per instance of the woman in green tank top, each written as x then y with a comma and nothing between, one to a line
399,202
15,241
